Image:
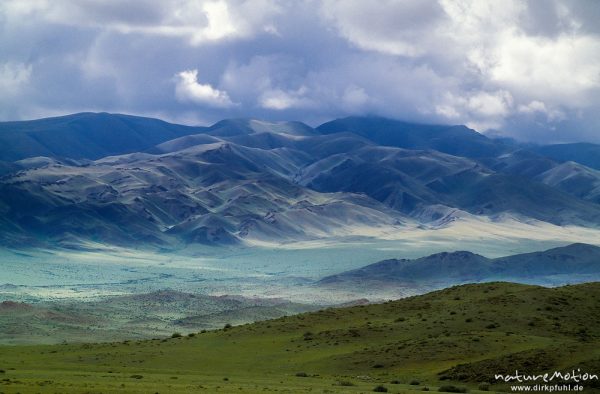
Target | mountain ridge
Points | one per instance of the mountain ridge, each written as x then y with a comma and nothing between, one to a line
464,266
245,180
85,135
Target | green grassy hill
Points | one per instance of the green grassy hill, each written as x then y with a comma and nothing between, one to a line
459,336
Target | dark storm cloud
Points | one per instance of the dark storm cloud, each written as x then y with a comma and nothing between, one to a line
528,68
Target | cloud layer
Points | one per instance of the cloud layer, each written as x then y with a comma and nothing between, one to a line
528,69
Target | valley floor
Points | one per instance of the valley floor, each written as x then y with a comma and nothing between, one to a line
268,271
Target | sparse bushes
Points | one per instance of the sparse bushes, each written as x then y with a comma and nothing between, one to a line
137,376
345,383
191,335
378,366
395,382
302,374
380,389
227,326
414,382
484,386
452,389
425,388
176,335
492,326
468,320
354,333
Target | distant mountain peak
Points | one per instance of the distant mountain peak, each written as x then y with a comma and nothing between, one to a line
577,247
243,126
458,255
451,139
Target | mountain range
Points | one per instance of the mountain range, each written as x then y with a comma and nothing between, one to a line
123,180
572,261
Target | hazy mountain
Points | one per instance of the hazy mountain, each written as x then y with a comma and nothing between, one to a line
85,135
463,266
583,153
455,140
520,162
574,259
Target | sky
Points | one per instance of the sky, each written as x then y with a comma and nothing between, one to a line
524,69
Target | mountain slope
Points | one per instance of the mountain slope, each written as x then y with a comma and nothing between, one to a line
216,193
454,140
583,153
575,179
246,181
569,261
237,127
85,136
574,259
460,336
407,180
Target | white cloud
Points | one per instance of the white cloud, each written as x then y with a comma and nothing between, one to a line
481,110
533,107
447,111
198,21
495,57
187,89
13,76
387,26
495,104
519,65
536,107
565,67
355,99
278,99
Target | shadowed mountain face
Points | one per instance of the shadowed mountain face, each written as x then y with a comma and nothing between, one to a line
216,193
454,140
463,267
247,180
583,153
85,136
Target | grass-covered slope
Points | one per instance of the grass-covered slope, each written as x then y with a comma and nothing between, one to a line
459,336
